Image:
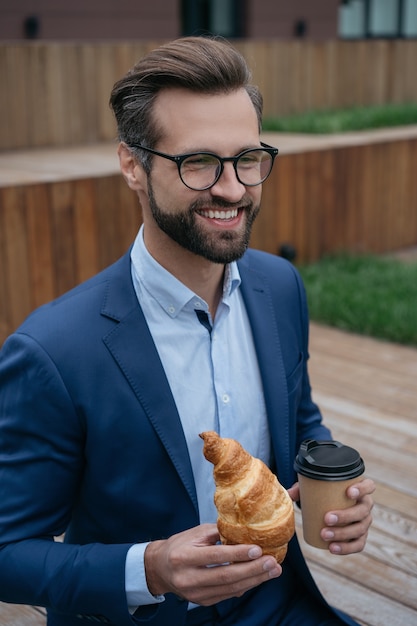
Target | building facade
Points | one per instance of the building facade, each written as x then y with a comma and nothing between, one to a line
167,19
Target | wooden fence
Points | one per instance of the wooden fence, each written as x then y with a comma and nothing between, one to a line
55,235
360,196
56,94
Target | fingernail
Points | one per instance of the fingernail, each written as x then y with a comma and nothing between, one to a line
269,565
335,549
331,519
255,552
272,568
328,534
354,492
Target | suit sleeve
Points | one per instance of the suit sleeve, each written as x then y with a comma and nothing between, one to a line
41,467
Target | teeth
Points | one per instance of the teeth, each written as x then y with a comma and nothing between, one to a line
220,215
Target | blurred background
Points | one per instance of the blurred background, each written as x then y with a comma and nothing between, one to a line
114,19
339,81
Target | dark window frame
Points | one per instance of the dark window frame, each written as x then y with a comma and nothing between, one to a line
195,18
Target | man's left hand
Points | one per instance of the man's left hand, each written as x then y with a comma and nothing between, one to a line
346,530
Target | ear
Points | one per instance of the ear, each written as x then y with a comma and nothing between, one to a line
132,170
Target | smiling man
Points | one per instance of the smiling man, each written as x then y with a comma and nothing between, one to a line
103,393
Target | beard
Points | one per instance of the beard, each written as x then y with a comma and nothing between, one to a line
218,247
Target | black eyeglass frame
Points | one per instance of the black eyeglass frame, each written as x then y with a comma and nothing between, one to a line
180,158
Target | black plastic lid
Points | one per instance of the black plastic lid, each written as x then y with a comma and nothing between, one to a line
328,460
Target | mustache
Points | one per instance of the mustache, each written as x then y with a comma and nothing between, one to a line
219,203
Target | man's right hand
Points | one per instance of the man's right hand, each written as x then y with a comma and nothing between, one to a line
195,567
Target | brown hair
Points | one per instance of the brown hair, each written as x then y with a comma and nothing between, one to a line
200,64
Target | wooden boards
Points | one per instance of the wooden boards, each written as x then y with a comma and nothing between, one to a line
19,615
60,90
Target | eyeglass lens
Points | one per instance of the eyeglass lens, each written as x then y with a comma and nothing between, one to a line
201,171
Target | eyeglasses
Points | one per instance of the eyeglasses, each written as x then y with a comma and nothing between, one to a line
202,170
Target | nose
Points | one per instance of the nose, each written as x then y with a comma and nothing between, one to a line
228,186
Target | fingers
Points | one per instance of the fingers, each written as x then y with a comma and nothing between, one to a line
347,539
192,566
213,584
361,489
347,530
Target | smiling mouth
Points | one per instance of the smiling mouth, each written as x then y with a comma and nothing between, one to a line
219,215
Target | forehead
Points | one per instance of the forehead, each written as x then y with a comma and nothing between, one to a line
194,121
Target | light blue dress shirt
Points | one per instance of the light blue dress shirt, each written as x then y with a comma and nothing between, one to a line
213,375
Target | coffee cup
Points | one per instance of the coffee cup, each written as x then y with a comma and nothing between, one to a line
325,470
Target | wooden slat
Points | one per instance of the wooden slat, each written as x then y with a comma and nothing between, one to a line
15,126
42,97
62,224
86,240
40,244
16,267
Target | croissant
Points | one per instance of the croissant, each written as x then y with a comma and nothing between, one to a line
252,506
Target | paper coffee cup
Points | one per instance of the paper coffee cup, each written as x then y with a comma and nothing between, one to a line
325,470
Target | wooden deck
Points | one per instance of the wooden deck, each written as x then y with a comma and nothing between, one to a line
368,394
367,391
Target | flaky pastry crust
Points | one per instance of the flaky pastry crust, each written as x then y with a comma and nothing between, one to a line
252,506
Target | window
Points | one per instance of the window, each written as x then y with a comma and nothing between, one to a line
383,18
215,17
409,19
377,18
352,19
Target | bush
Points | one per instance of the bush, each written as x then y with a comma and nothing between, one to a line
357,118
364,294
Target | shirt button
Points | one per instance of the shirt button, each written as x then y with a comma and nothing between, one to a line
198,305
226,398
171,309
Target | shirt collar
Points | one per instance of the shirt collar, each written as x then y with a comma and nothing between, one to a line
171,294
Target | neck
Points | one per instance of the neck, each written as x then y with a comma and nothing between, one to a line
203,277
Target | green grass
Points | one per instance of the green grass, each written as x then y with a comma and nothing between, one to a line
343,120
368,295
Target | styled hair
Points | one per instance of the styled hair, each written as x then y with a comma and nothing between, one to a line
199,64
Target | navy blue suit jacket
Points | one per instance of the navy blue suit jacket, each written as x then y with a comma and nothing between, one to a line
91,442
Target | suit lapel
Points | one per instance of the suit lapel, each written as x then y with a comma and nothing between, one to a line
132,346
260,308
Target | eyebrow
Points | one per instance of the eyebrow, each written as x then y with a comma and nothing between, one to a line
211,151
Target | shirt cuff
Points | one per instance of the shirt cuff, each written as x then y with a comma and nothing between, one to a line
137,592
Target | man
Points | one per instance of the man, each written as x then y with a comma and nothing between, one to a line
105,391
